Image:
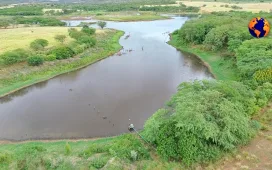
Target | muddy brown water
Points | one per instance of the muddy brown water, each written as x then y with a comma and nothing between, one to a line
104,98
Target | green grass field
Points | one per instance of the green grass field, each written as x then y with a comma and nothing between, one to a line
21,37
222,69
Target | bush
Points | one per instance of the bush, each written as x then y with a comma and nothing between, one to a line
38,44
87,40
204,120
78,49
62,52
68,149
5,158
254,55
50,57
60,38
99,162
263,75
35,60
123,146
15,56
87,30
75,34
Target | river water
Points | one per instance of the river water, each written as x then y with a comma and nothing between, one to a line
104,98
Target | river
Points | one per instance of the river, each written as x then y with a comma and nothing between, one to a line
104,98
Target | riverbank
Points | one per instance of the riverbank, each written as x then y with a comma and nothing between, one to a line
20,77
221,68
131,18
127,16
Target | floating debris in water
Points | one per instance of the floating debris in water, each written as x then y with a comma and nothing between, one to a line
70,89
104,117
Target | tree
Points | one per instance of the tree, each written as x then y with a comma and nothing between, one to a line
35,60
101,24
87,40
86,29
38,44
4,23
202,121
60,38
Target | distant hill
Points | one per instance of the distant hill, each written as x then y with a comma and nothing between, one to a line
60,1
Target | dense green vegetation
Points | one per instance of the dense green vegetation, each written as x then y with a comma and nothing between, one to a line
172,9
229,36
208,118
41,21
23,10
203,120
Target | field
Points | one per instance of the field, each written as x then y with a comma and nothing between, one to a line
207,7
215,6
123,17
21,37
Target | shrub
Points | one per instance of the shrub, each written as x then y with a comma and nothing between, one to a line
50,57
75,34
62,52
60,38
87,40
35,60
254,55
87,30
14,56
5,158
123,146
68,149
78,49
101,24
204,120
95,148
38,44
263,75
99,162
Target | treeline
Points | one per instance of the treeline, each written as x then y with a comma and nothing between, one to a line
84,39
181,8
41,21
115,7
23,10
228,34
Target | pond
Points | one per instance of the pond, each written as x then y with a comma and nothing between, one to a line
104,98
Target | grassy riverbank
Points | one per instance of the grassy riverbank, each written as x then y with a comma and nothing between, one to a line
221,68
21,75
